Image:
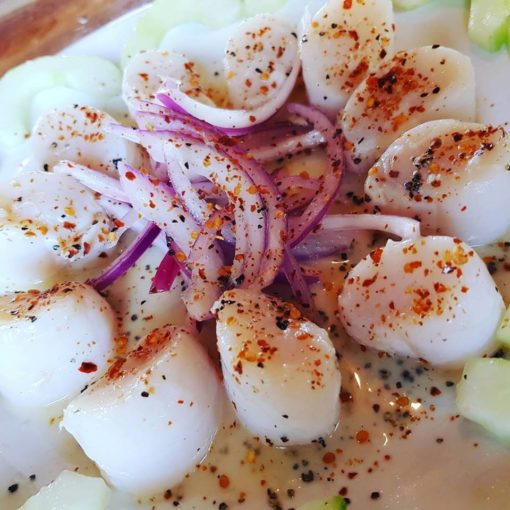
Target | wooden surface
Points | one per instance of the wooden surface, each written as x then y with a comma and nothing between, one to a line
31,28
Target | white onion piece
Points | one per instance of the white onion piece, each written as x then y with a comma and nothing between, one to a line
152,418
341,45
259,58
274,360
96,181
427,83
431,298
174,92
406,228
452,176
78,134
147,71
54,343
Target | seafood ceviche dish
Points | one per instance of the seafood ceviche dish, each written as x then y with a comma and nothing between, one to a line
259,260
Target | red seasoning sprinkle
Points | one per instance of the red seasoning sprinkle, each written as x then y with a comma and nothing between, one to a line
224,481
88,367
362,436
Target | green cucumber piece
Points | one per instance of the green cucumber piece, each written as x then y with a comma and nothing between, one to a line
71,490
483,395
336,503
488,23
503,332
254,7
75,80
407,5
163,15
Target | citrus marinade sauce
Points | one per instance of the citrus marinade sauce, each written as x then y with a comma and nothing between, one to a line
400,443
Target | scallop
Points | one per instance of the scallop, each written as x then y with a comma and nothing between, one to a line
432,298
259,58
53,343
146,72
280,369
427,83
341,45
152,418
452,176
49,222
78,134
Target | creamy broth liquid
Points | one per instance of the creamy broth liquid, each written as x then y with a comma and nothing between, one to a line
400,444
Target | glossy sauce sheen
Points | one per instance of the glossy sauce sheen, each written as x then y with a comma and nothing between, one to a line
400,444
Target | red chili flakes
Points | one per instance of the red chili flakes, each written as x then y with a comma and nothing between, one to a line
130,176
362,436
253,118
87,367
86,248
369,281
394,174
68,225
144,76
115,370
402,401
224,481
347,4
238,367
352,475
439,287
328,458
409,267
376,255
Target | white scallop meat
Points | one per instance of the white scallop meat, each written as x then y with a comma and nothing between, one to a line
53,343
152,418
341,44
427,83
280,369
78,134
432,298
452,176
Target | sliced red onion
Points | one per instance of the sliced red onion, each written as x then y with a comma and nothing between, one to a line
157,202
400,226
180,181
249,211
96,181
300,227
297,281
166,274
288,146
324,244
127,259
206,263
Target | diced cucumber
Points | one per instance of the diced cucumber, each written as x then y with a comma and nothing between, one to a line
77,79
483,395
503,332
254,7
336,503
407,5
488,23
71,491
163,15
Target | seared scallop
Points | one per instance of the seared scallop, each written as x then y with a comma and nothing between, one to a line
274,360
431,298
452,176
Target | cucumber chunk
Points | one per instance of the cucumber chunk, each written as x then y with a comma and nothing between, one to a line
25,91
163,15
336,503
488,23
71,491
407,5
483,395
